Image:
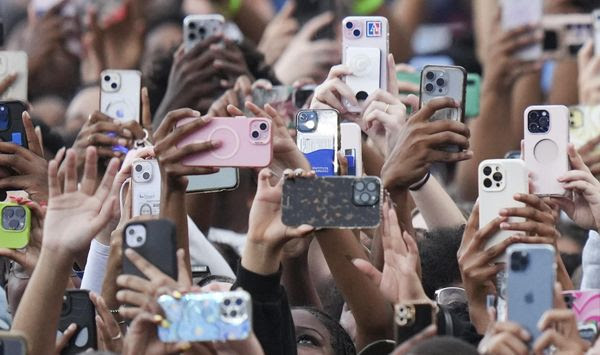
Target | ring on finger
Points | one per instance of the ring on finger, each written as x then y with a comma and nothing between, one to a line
117,337
387,106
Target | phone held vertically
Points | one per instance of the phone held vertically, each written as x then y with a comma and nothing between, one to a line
197,28
545,147
214,316
120,94
11,122
145,187
531,274
444,81
517,13
584,124
11,344
14,62
16,225
226,179
498,181
365,47
78,308
244,142
332,202
155,241
317,136
565,34
351,147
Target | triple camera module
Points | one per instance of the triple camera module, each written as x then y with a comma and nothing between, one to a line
493,177
538,121
13,218
519,260
436,82
366,192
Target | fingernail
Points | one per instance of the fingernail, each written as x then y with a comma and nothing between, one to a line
218,62
165,323
157,318
215,144
525,334
72,326
176,294
196,113
517,196
503,211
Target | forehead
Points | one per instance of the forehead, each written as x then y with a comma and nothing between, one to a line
305,319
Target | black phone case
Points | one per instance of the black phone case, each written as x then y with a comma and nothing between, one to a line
306,10
159,249
328,202
12,130
78,308
423,319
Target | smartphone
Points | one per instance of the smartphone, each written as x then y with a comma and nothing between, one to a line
516,13
596,22
545,147
498,181
213,316
145,187
301,95
155,241
444,81
565,34
278,96
410,319
351,147
531,274
332,202
365,43
14,62
78,308
16,225
120,94
306,10
317,136
245,142
11,122
196,28
473,95
226,179
584,124
11,344
585,304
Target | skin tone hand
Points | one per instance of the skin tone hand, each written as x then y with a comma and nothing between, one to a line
329,94
308,58
7,82
108,330
64,339
584,209
504,338
400,280
416,146
242,88
267,235
588,82
279,33
590,155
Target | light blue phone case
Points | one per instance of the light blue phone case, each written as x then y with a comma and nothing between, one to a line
215,316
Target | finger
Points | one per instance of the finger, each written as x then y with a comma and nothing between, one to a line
191,149
62,342
310,29
425,113
33,143
90,171
367,269
184,276
7,82
548,338
589,146
234,111
133,298
70,171
575,159
129,312
134,283
53,185
149,270
338,71
107,180
181,132
171,120
146,114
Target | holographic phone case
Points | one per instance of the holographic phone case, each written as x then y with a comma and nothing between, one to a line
215,316
317,136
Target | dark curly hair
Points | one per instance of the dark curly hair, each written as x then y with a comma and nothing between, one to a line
341,343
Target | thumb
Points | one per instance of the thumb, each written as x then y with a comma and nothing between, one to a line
234,111
412,101
300,231
367,269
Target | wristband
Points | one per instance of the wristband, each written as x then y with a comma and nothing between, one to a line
366,7
419,184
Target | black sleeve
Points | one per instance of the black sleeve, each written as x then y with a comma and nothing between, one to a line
271,315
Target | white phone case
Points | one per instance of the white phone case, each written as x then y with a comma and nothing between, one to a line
516,13
145,187
363,38
545,147
444,81
120,94
196,28
596,22
351,147
498,193
14,62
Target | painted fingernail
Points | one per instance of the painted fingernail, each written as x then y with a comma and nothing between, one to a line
176,294
165,323
185,346
215,143
157,318
196,113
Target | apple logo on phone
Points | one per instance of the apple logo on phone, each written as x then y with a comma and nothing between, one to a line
529,297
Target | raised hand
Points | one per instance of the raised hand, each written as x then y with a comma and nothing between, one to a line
109,333
330,93
279,33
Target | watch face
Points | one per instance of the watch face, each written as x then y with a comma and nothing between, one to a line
404,314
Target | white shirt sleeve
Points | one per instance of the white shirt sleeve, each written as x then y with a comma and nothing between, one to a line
95,267
591,262
203,253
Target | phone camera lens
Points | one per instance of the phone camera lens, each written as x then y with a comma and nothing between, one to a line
364,197
349,25
440,82
227,302
202,31
238,301
533,115
146,175
191,36
303,117
356,33
487,183
255,134
497,176
429,87
533,127
233,314
107,78
359,186
487,171
113,85
430,75
138,168
371,186
263,126
20,212
192,25
139,239
544,121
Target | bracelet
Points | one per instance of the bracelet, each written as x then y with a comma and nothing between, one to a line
418,185
366,7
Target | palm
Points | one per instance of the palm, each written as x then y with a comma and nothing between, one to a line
265,213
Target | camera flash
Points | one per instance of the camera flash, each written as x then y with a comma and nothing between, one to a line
310,124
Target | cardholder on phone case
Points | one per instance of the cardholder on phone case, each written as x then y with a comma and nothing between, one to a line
11,123
332,202
317,136
78,308
197,28
244,142
214,316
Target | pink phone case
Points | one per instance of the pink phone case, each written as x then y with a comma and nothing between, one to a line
245,142
585,304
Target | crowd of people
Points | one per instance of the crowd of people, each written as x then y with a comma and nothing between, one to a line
312,290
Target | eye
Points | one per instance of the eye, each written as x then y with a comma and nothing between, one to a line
306,340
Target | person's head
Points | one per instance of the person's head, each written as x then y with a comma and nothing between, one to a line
318,333
439,266
81,107
443,345
160,40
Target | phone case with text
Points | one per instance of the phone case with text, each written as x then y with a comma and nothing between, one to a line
196,28
145,187
317,136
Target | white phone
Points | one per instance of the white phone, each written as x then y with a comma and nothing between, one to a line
499,180
351,147
596,22
197,28
365,45
516,13
14,62
546,134
145,187
120,94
